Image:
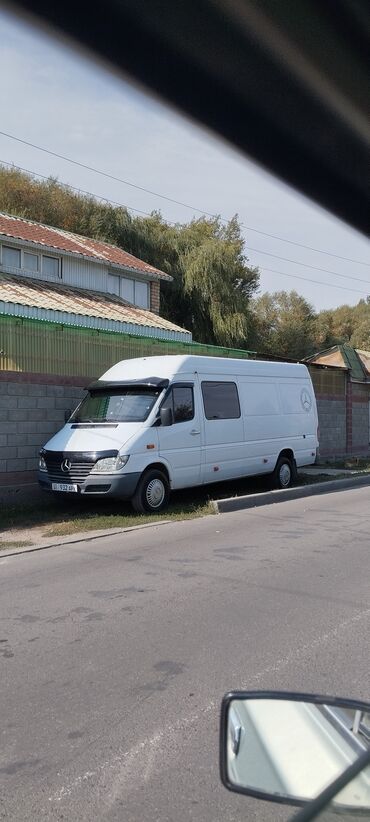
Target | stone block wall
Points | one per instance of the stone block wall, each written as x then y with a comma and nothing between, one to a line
332,426
330,385
32,408
360,418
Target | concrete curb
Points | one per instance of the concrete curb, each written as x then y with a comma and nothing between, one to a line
223,506
83,537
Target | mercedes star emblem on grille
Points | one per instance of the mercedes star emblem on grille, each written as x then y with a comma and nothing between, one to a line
66,465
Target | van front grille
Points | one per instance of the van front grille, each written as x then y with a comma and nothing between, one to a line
74,470
72,466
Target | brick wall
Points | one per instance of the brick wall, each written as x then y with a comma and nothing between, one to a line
155,296
32,409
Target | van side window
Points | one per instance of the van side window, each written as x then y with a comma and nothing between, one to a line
181,400
221,401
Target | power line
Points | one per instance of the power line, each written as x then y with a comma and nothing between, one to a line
106,174
301,245
317,282
172,200
259,251
78,189
314,267
123,205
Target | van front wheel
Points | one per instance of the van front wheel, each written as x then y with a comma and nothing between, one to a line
152,493
283,474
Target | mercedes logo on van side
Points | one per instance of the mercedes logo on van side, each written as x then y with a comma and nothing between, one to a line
306,400
66,465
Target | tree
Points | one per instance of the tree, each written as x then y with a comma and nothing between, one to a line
212,281
283,325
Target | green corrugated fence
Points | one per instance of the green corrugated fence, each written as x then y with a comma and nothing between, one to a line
50,348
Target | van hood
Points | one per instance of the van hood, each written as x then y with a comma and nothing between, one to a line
92,438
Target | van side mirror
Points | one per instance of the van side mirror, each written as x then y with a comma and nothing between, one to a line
67,414
166,416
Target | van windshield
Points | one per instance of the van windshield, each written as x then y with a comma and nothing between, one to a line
123,405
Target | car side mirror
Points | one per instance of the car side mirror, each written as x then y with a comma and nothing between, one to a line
293,748
166,416
67,414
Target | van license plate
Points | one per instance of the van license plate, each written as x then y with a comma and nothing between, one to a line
64,486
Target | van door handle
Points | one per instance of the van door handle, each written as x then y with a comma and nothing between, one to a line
194,432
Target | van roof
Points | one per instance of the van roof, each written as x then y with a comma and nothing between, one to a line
169,366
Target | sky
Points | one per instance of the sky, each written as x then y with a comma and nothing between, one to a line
56,99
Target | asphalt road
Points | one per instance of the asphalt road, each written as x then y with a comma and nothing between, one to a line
114,655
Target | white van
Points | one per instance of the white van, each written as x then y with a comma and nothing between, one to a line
154,424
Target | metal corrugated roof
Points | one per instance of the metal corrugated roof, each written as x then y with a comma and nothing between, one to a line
365,359
354,363
56,238
20,296
344,356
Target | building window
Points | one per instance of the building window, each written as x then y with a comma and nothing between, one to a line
141,294
113,284
11,257
221,401
51,266
30,261
134,292
128,290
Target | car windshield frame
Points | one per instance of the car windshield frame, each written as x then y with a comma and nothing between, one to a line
94,408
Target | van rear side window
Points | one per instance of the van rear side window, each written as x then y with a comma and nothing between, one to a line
221,401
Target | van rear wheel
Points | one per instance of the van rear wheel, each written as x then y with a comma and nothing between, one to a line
284,473
152,493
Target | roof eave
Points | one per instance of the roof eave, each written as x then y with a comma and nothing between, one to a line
154,274
93,322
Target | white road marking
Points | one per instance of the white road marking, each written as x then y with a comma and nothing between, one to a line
126,767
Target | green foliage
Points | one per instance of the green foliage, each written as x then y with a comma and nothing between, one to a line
214,287
346,324
283,325
212,281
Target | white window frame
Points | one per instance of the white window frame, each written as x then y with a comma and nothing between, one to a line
52,257
132,280
147,306
117,278
13,248
33,254
40,258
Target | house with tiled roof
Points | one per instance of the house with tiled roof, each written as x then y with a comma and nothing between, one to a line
51,274
70,307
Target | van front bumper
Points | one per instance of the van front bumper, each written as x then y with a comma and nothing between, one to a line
104,485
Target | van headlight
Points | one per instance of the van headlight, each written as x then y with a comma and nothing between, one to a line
42,464
108,465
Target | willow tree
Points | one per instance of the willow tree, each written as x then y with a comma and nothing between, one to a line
212,280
